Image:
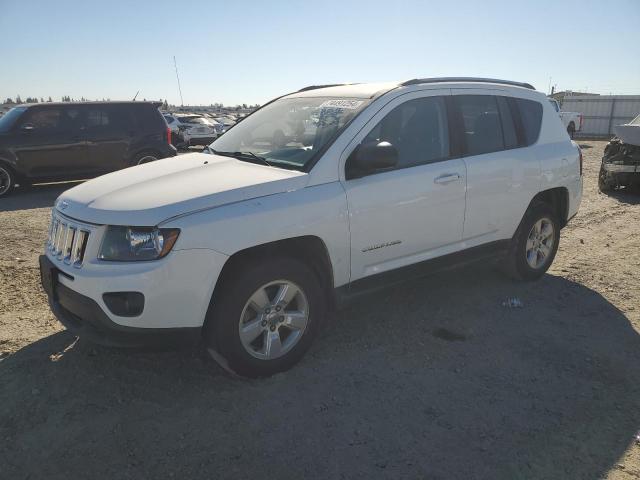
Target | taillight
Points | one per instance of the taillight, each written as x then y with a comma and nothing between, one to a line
580,152
169,135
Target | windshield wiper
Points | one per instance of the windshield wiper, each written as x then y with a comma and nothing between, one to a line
243,156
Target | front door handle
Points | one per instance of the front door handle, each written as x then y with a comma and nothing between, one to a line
447,178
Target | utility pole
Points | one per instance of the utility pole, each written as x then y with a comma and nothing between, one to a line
178,78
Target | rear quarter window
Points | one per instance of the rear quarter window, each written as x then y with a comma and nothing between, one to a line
531,119
148,117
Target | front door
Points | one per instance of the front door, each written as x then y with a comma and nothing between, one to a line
50,142
415,211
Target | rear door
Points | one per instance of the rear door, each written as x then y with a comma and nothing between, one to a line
109,132
415,211
502,175
50,142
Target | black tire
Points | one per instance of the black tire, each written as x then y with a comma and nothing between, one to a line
605,182
7,180
517,265
571,129
145,157
221,330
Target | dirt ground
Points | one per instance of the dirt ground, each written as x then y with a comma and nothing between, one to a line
433,379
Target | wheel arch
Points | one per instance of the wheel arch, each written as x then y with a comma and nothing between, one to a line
308,249
140,151
558,199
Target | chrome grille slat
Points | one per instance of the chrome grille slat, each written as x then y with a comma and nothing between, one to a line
68,243
67,240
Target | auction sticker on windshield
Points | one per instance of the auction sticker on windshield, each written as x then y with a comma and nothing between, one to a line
346,104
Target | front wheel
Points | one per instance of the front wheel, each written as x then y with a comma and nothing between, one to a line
7,180
535,243
265,316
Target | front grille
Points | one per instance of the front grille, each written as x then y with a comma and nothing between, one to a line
67,240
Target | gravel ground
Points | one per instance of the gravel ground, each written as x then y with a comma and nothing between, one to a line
432,379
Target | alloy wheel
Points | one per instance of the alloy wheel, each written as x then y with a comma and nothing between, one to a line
540,242
273,320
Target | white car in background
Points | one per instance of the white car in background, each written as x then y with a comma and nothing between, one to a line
192,129
227,122
572,121
248,245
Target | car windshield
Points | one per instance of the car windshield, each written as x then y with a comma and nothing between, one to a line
288,132
9,118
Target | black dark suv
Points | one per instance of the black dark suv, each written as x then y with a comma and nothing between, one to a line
55,141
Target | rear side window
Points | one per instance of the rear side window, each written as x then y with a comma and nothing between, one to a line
148,118
481,123
531,118
418,129
97,118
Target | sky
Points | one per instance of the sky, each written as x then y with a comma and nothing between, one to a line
240,51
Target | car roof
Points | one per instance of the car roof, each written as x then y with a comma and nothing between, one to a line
58,104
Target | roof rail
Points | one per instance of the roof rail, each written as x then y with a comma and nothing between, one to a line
417,81
315,87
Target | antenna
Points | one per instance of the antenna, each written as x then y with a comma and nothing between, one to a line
136,96
178,78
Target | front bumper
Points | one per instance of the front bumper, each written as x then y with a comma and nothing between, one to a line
176,289
85,318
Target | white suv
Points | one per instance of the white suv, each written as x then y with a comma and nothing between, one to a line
315,197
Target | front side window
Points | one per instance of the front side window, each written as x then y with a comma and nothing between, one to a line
53,119
481,123
289,132
9,119
418,130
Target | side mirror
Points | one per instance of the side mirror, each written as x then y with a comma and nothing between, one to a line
372,157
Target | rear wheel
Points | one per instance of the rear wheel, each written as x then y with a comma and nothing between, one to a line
265,316
535,243
7,180
145,157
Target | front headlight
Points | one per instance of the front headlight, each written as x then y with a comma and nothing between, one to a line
127,244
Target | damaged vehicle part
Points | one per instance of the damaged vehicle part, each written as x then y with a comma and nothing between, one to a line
620,165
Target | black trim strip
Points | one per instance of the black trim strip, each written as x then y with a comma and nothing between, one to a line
363,286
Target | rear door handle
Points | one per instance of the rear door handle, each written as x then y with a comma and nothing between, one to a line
447,178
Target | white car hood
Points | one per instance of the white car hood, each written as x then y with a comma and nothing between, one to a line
148,194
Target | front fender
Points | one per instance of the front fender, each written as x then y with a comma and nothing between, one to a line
319,211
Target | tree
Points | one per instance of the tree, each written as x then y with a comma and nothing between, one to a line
9,100
50,100
18,100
